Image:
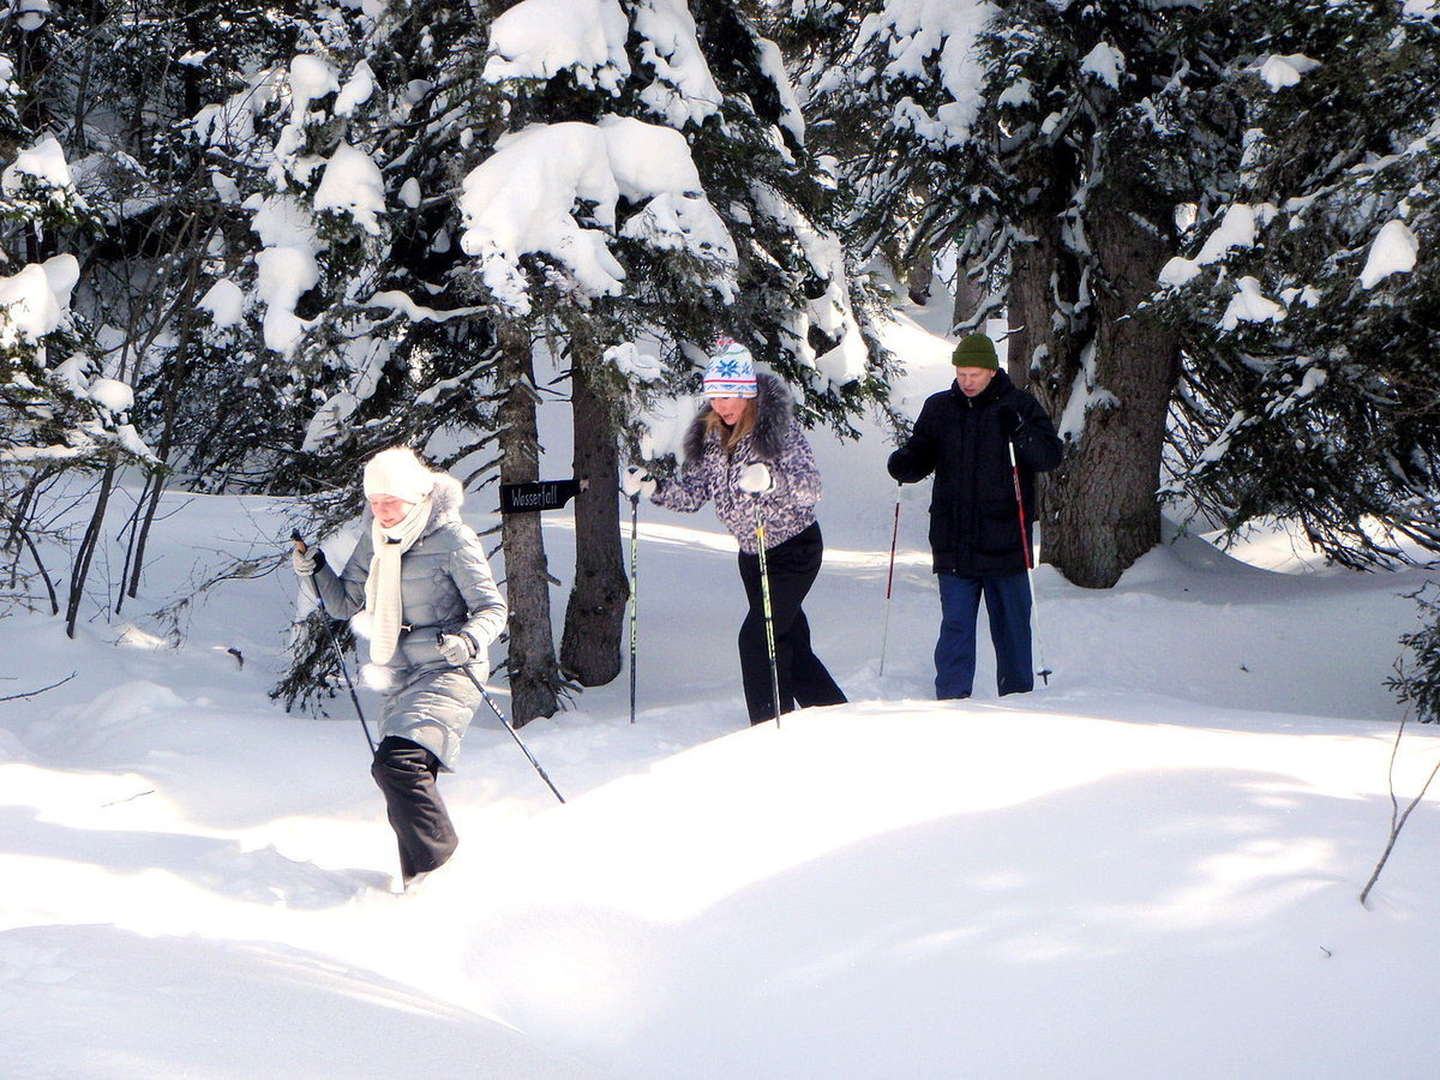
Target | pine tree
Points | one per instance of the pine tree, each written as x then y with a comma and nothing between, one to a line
63,413
723,238
1044,146
1308,300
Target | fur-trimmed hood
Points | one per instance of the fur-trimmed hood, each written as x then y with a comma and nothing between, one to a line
776,414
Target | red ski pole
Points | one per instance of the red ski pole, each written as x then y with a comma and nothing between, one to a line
1044,672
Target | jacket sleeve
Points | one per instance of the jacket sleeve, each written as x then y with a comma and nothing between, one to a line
343,594
1037,447
486,608
916,459
686,492
795,478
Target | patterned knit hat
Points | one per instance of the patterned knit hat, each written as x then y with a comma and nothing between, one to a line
400,473
731,372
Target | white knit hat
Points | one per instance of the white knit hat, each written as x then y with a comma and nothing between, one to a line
731,372
400,473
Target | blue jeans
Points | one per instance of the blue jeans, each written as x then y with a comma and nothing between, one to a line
1007,602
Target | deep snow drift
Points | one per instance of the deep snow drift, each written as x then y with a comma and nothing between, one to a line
1148,868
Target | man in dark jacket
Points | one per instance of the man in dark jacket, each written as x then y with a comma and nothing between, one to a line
964,435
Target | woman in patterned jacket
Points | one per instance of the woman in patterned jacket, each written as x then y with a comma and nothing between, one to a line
745,451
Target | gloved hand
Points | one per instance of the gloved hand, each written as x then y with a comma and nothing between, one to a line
1010,422
755,478
457,649
304,560
636,481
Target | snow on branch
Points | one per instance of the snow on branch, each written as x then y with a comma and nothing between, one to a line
1393,251
525,199
538,39
932,41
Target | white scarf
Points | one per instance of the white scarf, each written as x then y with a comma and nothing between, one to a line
382,587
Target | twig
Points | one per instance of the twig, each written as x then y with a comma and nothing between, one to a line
36,693
1397,818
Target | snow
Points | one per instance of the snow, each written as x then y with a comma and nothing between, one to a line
113,395
1393,251
356,91
352,184
536,39
634,362
933,41
1279,72
225,301
45,162
1149,867
284,275
683,91
1106,63
29,305
310,78
397,300
1248,304
521,201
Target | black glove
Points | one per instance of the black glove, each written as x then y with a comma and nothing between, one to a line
1009,417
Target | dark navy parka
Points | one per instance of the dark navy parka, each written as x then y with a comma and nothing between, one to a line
974,522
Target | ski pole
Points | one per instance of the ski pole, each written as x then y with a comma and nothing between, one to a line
510,728
889,583
769,617
634,591
302,547
1044,672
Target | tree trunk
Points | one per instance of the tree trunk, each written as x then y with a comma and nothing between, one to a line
86,552
1102,512
968,295
590,646
534,676
920,274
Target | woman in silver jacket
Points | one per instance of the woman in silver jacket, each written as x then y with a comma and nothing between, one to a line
419,587
744,452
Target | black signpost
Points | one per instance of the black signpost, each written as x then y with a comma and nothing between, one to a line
538,495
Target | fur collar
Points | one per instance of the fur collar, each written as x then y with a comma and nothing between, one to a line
776,415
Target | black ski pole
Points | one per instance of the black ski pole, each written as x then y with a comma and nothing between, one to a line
889,584
769,617
510,728
634,591
302,547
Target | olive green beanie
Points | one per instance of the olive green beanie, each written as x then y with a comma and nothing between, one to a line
976,350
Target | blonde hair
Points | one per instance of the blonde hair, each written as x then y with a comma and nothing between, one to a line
730,436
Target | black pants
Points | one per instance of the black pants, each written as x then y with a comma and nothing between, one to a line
406,774
792,568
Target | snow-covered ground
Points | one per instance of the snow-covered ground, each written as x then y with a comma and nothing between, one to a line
1149,868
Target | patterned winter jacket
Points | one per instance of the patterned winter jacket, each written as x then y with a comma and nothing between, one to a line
711,475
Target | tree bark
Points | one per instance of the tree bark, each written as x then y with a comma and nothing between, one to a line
968,295
1102,511
590,645
534,675
920,274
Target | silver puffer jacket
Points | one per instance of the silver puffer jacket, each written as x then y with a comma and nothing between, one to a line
711,475
445,588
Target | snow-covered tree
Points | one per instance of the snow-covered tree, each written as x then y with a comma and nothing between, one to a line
1307,297
677,201
1044,146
